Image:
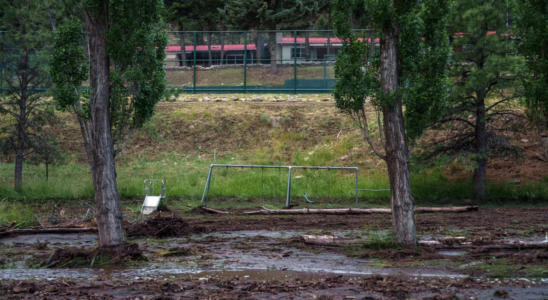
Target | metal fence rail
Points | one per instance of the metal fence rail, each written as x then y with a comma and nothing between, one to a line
240,61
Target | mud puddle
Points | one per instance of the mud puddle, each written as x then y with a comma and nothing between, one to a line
65,239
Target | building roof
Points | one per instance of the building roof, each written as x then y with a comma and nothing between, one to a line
252,47
322,40
461,34
228,47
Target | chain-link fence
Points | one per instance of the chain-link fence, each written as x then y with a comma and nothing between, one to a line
297,61
291,62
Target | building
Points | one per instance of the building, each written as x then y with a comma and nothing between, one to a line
234,53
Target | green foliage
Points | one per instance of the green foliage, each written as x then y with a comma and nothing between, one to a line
247,14
532,21
485,68
423,52
68,66
135,46
24,48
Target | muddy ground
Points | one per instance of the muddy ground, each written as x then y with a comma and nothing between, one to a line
235,257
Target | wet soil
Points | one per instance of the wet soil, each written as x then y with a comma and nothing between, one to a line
487,223
261,257
336,287
162,227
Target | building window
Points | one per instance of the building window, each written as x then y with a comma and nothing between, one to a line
301,52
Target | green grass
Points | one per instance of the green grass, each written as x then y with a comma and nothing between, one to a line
235,76
505,268
380,241
185,178
15,211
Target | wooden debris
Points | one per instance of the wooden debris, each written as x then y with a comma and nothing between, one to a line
356,211
444,243
46,230
215,211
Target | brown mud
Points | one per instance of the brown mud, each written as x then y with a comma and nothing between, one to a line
336,287
250,257
162,227
487,223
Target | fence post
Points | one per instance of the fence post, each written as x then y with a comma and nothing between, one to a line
324,73
288,200
295,66
194,66
357,187
245,61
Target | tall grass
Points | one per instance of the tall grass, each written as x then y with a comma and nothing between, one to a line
186,177
14,211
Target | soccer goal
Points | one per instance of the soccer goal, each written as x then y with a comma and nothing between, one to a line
309,184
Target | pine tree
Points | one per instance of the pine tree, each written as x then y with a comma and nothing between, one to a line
485,68
25,45
409,70
532,22
268,15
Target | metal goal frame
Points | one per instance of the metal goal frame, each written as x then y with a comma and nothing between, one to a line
205,195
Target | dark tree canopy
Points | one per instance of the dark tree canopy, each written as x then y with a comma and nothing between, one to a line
24,55
485,68
531,23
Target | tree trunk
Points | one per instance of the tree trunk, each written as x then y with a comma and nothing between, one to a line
183,49
260,46
21,124
481,148
543,145
273,45
19,157
329,33
397,154
223,38
107,197
209,36
307,46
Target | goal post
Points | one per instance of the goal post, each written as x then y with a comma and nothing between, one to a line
205,195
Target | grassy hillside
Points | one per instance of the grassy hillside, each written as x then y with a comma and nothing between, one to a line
183,139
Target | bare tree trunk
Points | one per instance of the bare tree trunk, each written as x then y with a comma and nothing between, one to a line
397,154
543,144
183,49
21,125
273,45
107,197
209,36
481,148
260,46
329,33
19,157
223,38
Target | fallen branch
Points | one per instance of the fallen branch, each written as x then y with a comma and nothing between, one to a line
46,230
448,243
330,240
215,211
356,211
